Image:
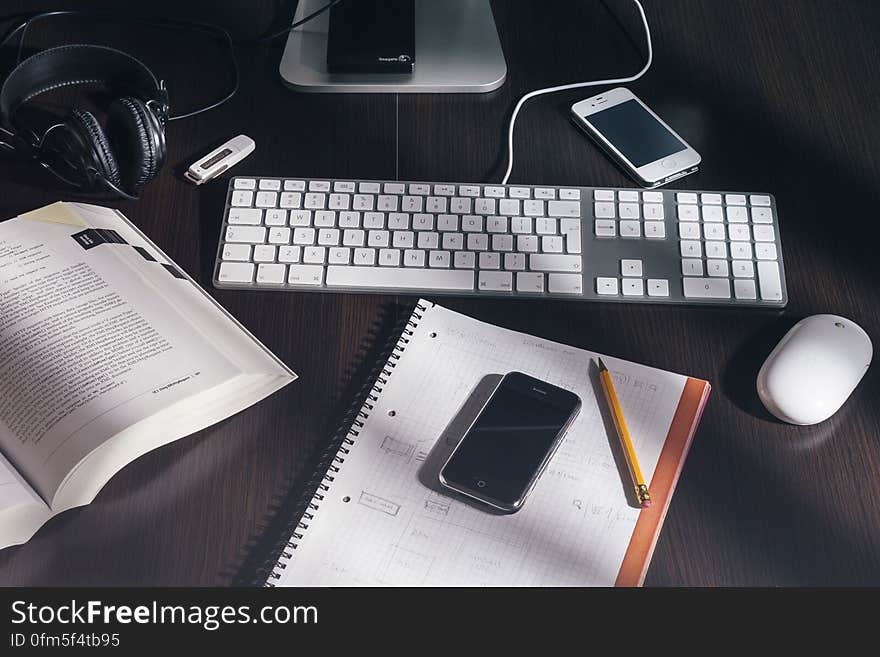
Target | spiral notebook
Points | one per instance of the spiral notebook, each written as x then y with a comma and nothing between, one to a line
377,517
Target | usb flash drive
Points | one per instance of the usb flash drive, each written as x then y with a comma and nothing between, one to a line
220,159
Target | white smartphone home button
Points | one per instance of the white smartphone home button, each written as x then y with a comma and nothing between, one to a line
669,163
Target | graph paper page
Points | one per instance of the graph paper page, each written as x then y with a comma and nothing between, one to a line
385,520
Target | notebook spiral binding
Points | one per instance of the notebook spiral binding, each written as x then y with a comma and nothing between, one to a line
345,437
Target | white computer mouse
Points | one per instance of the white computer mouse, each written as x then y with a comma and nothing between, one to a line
814,369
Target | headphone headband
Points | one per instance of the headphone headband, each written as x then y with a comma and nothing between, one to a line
79,64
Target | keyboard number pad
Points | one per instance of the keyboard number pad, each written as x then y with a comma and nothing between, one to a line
728,247
629,214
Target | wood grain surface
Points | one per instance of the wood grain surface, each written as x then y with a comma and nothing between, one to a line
778,96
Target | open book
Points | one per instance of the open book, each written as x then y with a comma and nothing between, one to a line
107,351
378,516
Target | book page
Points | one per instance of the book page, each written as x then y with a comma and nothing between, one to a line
21,509
85,349
386,521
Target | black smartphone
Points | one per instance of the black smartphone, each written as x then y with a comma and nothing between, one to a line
510,442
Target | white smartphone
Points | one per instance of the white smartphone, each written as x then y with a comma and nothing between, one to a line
636,138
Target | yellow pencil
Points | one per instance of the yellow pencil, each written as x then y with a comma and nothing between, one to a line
641,489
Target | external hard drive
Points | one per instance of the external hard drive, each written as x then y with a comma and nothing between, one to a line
372,36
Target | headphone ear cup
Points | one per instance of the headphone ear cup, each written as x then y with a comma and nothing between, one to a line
97,154
137,138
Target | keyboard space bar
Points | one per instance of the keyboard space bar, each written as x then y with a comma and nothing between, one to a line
391,277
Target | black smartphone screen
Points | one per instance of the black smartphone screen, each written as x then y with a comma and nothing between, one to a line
510,439
635,133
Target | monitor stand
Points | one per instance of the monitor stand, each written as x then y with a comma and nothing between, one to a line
457,51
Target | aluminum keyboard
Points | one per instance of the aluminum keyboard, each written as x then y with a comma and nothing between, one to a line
593,244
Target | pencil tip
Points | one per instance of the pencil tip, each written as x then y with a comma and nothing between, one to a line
602,367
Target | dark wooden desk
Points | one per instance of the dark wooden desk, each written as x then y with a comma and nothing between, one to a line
776,96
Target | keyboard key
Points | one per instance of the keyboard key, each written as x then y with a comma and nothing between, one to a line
236,272
571,228
688,212
412,204
737,215
739,232
519,192
717,268
244,183
343,187
740,251
544,193
289,254
241,252
251,234
762,216
432,240
271,274
566,284
328,237
604,210
759,200
684,197
500,281
744,289
387,277
545,226
420,189
387,203
460,205
304,236
764,233
270,184
606,286
691,249
242,199
529,282
290,200
714,232
325,219
570,194
389,258
353,237
403,239
490,260
515,261
551,244
469,190
652,211
706,288
447,222
464,260
301,218
735,199
691,267
484,206
652,197
477,241
509,207
340,202
633,287
316,201
247,216
713,213
305,275
365,257
279,235
743,269
394,188
319,186
266,199
440,259
533,208
437,204
368,188
496,224
710,199
472,224
502,242
606,228
631,268
314,255
628,196
603,195
765,251
294,185
630,229
444,190
553,262
264,253
453,241
658,287
628,210
564,208
361,201
378,238
716,249
396,221
655,230
769,281
689,230
527,243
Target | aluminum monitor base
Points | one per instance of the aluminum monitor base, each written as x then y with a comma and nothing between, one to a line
457,51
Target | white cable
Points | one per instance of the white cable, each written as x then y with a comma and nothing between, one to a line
576,85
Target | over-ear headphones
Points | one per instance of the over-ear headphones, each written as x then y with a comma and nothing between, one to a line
120,157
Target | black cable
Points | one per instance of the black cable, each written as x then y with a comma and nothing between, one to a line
286,30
